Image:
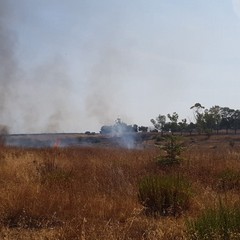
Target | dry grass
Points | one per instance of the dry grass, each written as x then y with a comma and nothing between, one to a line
91,193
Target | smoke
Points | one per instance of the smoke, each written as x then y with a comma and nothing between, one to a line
125,140
8,65
121,134
32,101
42,97
103,100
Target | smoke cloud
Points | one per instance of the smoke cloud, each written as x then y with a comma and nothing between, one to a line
34,101
74,66
103,99
42,98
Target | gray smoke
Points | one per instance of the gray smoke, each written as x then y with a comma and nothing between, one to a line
33,101
41,98
105,80
8,65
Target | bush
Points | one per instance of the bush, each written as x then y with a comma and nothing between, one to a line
219,223
164,195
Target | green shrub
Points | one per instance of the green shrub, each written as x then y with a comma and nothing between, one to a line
228,179
172,148
164,195
219,223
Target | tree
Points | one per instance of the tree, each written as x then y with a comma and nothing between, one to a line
118,128
135,128
106,130
215,113
198,115
226,118
190,127
143,129
183,125
159,123
236,120
207,122
173,118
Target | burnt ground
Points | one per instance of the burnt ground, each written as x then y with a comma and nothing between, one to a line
131,140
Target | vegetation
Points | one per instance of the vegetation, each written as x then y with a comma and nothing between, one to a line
228,179
207,121
173,147
118,128
103,193
221,222
164,195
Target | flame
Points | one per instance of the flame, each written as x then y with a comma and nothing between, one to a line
57,143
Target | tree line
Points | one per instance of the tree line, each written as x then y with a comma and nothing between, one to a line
212,120
208,121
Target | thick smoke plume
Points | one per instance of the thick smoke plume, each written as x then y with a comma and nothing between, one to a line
122,134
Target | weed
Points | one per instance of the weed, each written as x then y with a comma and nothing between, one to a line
222,222
228,179
52,174
164,195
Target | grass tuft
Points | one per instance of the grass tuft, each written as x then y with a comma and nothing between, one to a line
164,195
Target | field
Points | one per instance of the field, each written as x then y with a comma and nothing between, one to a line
93,192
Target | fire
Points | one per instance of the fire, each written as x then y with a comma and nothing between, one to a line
57,143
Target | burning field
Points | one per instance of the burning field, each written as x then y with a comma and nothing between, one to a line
126,140
93,192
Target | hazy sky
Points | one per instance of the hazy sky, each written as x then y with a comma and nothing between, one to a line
75,65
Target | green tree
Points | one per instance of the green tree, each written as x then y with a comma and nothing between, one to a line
226,118
183,125
173,118
159,123
215,112
173,147
198,115
236,120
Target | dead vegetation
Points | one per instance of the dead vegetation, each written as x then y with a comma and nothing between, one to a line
92,193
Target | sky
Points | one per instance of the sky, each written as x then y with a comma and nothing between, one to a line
76,65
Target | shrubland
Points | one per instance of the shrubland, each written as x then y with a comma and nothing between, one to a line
104,193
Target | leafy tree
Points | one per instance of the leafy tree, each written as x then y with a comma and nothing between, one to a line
190,127
183,125
226,118
143,129
159,123
173,118
118,128
106,130
135,128
198,115
236,120
215,113
207,122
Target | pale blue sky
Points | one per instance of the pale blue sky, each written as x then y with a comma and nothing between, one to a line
80,64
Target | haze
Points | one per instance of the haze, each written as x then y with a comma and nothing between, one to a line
75,65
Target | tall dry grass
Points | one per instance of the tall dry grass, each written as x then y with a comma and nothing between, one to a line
92,193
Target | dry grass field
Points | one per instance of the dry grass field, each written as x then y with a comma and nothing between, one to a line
92,193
